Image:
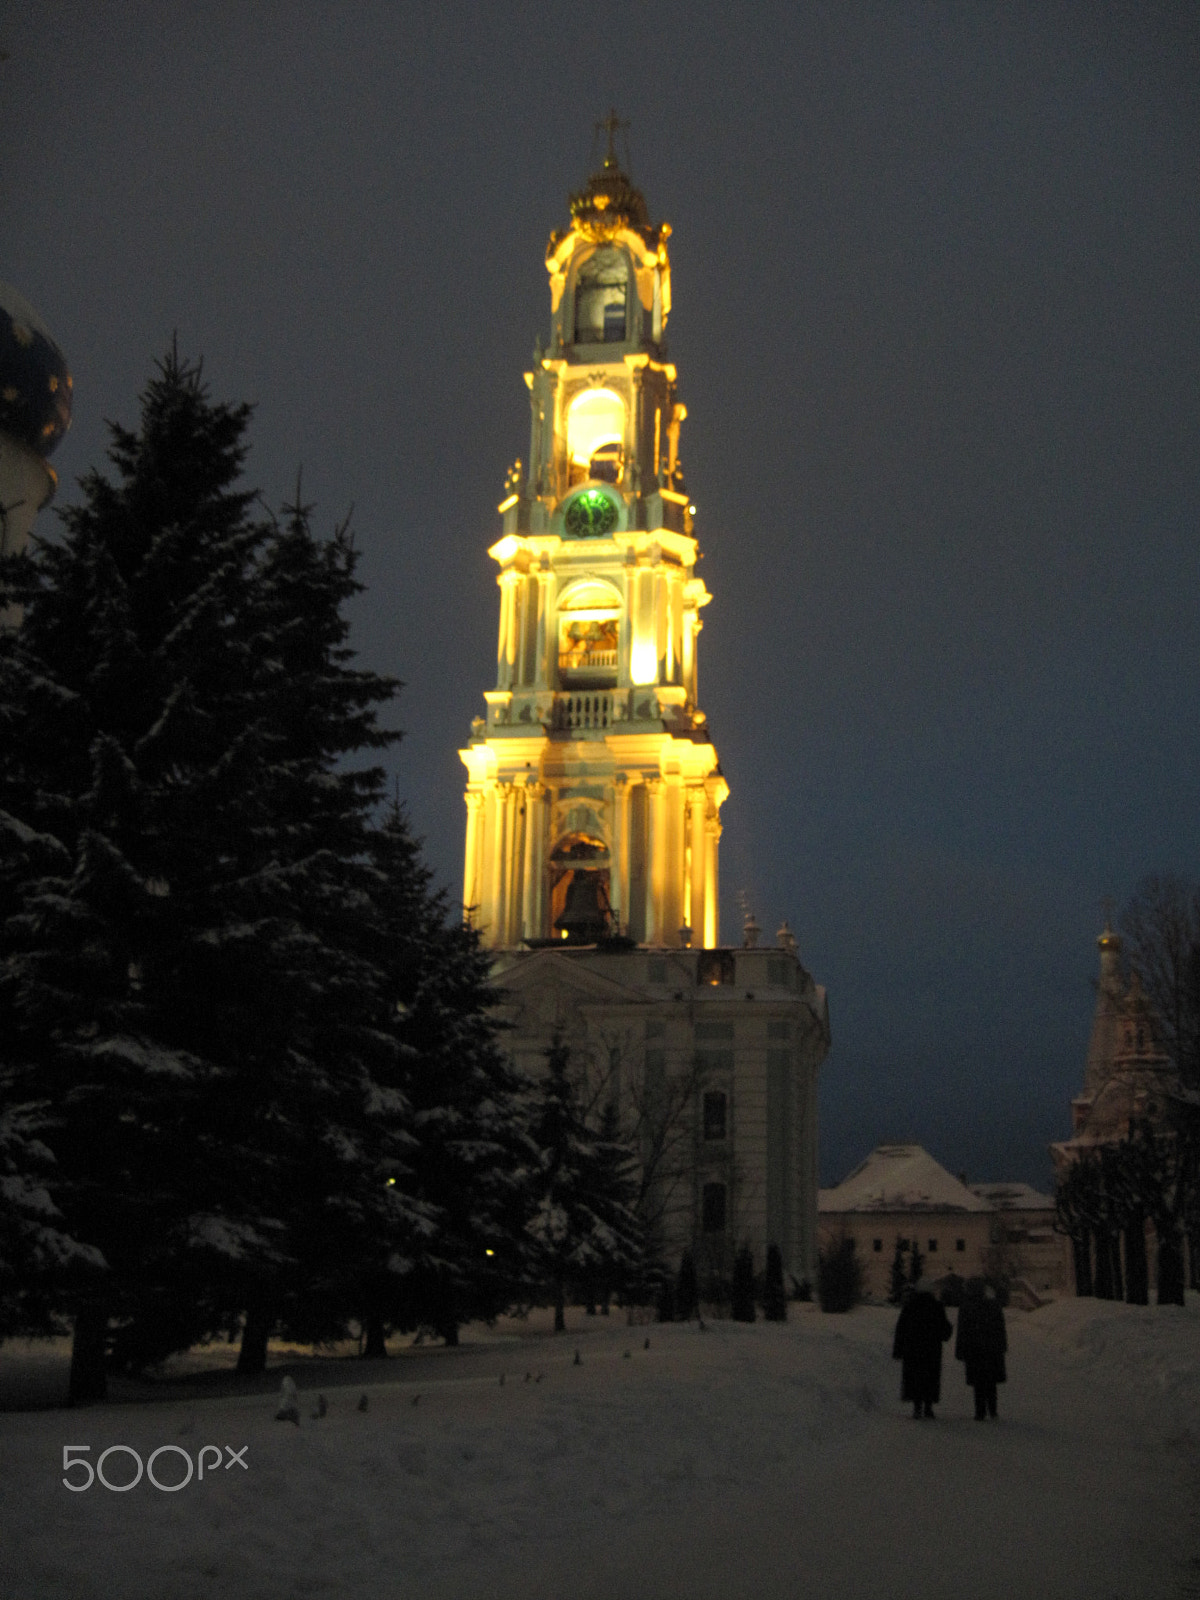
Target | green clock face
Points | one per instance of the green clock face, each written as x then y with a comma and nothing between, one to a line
591,515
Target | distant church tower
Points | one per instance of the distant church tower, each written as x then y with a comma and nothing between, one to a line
593,786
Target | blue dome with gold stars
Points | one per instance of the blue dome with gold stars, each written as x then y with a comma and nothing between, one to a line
35,383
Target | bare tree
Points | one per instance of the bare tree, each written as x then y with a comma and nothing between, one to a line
1161,926
657,1110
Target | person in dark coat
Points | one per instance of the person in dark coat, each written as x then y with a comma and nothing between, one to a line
981,1345
921,1330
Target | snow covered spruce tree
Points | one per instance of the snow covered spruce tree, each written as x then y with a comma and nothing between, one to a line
127,750
317,1093
583,1191
468,1160
194,1005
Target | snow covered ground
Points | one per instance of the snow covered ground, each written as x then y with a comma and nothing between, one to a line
758,1460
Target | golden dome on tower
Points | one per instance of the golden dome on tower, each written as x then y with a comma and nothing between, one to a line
610,204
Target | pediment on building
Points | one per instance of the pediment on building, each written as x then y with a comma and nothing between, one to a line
545,988
554,968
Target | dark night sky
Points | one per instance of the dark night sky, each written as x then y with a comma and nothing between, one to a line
935,281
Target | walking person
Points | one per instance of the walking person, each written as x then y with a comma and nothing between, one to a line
981,1344
921,1330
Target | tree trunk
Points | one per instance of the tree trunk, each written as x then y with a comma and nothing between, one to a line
560,1299
252,1357
1194,1256
1137,1276
1104,1281
1117,1279
376,1345
89,1379
447,1329
1170,1265
1082,1249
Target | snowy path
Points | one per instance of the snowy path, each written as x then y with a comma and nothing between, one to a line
744,1461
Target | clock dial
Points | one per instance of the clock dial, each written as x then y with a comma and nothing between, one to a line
591,515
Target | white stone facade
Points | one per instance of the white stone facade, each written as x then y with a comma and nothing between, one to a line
998,1230
712,1060
594,789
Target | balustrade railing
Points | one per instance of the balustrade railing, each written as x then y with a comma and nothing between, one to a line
588,661
587,709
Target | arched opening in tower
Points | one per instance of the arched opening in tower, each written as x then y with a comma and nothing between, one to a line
596,437
588,636
580,911
600,299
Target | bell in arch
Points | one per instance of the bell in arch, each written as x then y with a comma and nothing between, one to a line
587,915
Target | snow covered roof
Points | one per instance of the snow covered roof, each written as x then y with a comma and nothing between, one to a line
1014,1196
900,1177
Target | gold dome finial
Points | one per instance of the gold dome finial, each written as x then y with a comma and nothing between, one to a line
610,202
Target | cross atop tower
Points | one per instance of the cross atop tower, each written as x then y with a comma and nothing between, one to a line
611,124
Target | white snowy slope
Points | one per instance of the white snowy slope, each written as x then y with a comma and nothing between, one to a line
754,1461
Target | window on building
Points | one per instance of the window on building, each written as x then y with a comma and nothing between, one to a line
877,1245
932,1246
711,1063
715,966
779,972
712,1208
779,1028
714,1030
600,299
960,1244
714,1114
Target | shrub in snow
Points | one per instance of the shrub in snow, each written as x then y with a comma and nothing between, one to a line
774,1299
742,1306
666,1301
687,1294
898,1280
916,1264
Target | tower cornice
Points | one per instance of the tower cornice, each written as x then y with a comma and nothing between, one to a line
681,548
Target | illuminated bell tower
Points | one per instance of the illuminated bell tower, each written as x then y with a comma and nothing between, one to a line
593,786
